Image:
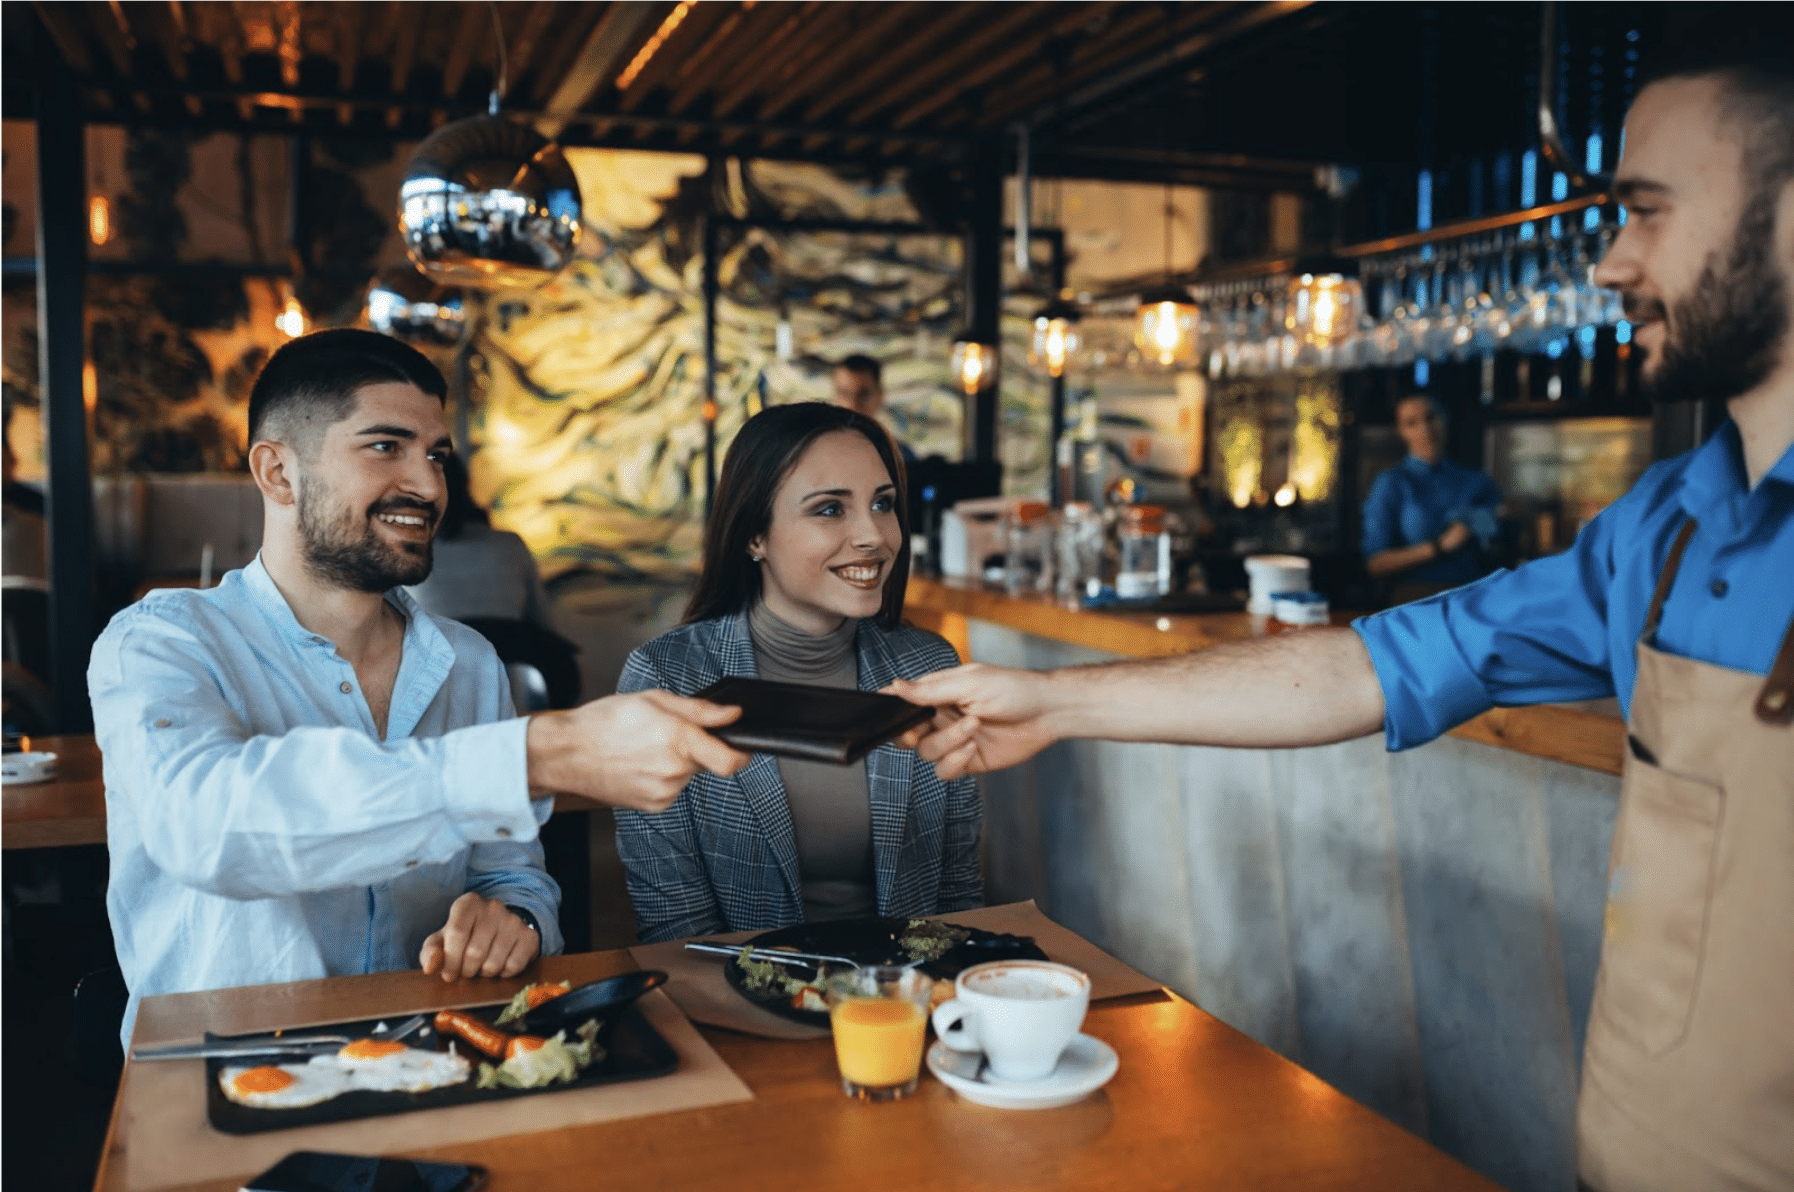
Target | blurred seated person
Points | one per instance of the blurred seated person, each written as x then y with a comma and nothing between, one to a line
806,559
487,580
858,385
306,774
1424,517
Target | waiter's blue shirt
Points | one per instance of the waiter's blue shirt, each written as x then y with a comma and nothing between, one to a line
1565,627
261,829
1414,502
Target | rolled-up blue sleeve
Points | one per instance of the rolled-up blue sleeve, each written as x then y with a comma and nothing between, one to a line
1534,635
1382,516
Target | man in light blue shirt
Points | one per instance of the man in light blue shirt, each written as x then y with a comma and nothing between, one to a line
306,774
1678,599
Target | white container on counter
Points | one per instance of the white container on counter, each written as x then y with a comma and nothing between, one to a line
1269,575
1300,608
971,533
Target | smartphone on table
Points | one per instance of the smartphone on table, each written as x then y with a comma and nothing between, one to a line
314,1171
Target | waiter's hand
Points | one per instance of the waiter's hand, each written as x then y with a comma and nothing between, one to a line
1455,536
633,751
986,718
482,938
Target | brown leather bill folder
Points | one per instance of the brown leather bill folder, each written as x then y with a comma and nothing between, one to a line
823,724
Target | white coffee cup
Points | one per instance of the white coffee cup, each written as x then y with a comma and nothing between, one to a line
1020,1013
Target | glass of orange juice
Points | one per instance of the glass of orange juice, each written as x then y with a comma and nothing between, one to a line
879,1016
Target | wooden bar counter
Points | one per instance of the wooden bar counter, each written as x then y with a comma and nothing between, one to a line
1420,929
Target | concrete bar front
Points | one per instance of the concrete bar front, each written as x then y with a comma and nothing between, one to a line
1419,929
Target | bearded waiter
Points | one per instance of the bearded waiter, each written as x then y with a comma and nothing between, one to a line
1678,599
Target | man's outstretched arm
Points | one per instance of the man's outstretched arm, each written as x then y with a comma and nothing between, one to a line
1311,687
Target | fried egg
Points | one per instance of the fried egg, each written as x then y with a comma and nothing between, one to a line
385,1066
283,1086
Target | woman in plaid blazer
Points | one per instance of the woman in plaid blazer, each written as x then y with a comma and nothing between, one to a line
725,856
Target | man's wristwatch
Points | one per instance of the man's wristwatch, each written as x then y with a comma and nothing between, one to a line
529,920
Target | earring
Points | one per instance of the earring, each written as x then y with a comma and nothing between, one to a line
756,559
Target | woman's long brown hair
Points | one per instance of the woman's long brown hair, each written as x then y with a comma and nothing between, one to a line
762,455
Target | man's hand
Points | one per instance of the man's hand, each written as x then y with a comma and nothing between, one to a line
1454,537
482,938
986,718
634,751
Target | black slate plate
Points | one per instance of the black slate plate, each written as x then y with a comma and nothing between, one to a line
871,941
635,1052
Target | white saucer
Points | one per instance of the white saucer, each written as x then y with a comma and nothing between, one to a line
1086,1066
27,767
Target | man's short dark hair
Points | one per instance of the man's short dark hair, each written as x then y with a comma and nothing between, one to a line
1750,52
311,383
865,366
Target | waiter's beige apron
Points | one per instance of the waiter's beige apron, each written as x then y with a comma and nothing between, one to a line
1688,1075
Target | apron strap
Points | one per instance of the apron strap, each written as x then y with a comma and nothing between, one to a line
1666,579
1775,703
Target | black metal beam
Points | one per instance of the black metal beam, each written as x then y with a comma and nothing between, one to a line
984,293
62,354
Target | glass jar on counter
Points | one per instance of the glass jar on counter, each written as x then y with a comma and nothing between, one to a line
1143,570
1028,548
1080,551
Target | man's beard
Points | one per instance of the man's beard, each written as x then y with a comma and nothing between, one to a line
359,560
1727,333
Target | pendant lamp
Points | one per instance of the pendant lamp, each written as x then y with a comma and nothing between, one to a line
974,363
487,203
1325,299
1165,323
1055,339
406,305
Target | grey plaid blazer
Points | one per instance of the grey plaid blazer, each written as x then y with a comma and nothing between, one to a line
723,857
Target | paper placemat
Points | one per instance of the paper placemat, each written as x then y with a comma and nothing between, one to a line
701,990
162,1114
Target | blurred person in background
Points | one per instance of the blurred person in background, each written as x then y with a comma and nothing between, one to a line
1429,520
857,384
487,579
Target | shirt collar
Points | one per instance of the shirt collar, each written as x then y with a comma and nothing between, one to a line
1420,467
267,597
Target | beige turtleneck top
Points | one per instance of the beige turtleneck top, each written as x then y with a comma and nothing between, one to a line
831,808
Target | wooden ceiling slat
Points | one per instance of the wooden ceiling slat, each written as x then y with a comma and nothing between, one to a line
67,33
922,46
381,28
520,53
940,74
476,19
824,36
404,54
625,25
764,54
998,63
346,34
577,23
844,59
698,61
700,25
809,35
1122,45
115,35
757,25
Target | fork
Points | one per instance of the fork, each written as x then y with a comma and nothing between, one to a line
272,1045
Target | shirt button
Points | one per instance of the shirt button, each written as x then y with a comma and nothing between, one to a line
163,722
505,832
411,865
1720,587
347,687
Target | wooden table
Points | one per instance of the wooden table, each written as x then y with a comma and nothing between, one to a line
71,808
1195,1105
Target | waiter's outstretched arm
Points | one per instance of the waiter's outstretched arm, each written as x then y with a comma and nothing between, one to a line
1307,688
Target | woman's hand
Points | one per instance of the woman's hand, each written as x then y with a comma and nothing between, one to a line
1454,537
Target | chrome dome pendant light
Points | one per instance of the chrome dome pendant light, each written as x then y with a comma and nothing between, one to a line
406,305
488,203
